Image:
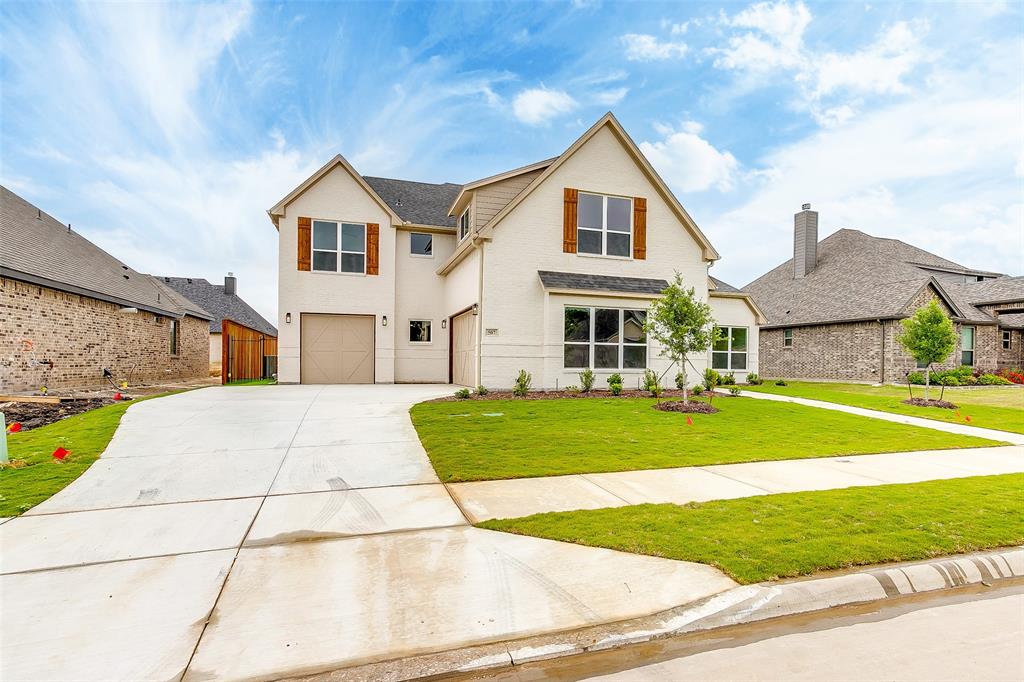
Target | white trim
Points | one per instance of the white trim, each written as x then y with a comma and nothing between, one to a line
458,226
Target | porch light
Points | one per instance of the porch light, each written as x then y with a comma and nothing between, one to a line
287,318
444,324
384,320
476,308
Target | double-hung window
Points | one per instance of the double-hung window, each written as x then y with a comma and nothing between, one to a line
421,244
1007,339
464,225
787,338
730,351
339,247
604,225
967,345
604,338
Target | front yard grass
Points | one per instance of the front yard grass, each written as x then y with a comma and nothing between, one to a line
484,440
997,407
37,475
778,536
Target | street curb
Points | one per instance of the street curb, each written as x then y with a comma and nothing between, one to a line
739,605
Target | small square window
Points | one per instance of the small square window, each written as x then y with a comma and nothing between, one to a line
787,338
421,244
1007,339
419,331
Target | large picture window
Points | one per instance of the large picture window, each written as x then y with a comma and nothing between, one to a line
730,351
339,247
604,338
604,225
967,345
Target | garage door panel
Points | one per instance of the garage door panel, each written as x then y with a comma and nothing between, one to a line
337,349
464,349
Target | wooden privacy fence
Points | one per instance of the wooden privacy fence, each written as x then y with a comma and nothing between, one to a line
244,351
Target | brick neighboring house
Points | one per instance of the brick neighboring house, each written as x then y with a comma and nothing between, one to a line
69,310
834,309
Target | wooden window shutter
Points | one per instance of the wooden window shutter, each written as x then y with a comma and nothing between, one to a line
305,243
569,220
639,228
372,249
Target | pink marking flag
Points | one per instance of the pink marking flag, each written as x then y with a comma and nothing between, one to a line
60,454
689,420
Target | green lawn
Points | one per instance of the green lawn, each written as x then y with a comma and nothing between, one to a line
491,439
84,435
997,407
252,382
777,536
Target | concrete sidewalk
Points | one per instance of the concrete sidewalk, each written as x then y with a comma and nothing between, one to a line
269,531
511,498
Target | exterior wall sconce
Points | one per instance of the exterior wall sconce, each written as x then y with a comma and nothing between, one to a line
384,320
287,318
444,324
476,308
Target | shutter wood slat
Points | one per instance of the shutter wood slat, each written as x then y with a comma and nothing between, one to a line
305,244
372,249
639,228
569,213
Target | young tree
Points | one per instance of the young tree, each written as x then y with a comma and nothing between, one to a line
682,324
928,336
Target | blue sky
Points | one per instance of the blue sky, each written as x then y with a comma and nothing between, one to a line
163,132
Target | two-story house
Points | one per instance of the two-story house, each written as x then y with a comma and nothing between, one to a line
548,268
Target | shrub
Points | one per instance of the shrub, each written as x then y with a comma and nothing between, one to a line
729,379
574,389
993,380
462,393
523,382
948,380
698,389
615,387
615,379
916,378
587,380
680,380
1015,375
711,379
482,390
780,382
734,390
651,382
753,379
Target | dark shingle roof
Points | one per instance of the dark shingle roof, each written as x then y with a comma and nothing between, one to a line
572,280
222,306
423,203
722,286
37,248
857,277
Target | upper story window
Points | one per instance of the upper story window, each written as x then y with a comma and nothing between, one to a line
787,338
173,337
967,345
1007,339
339,247
421,244
604,338
730,351
604,225
464,224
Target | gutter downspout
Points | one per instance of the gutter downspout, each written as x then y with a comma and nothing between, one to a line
881,371
479,244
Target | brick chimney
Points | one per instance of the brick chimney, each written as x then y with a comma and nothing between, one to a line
805,241
231,284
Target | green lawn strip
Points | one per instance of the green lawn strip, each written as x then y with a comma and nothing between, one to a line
569,436
1000,408
252,382
778,536
84,435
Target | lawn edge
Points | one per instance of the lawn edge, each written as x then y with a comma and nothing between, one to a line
736,606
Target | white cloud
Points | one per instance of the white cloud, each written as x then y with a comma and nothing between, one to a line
784,23
878,68
641,47
536,106
610,98
688,162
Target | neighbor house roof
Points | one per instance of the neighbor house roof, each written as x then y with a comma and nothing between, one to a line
860,277
222,306
422,203
37,248
579,282
722,286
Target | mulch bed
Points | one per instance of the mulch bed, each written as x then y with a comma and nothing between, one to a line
553,395
921,402
689,407
34,415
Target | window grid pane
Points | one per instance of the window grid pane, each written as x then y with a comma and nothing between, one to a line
593,337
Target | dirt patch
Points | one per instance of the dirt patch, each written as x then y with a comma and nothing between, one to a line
921,402
34,415
688,407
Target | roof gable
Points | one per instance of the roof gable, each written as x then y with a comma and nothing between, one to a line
221,306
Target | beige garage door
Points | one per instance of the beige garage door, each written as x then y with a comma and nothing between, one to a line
464,349
336,349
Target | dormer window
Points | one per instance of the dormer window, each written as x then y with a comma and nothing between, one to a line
464,225
604,225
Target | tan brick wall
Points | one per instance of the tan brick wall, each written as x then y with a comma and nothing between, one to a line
1012,357
82,336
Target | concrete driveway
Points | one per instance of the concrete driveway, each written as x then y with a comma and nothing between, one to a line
260,532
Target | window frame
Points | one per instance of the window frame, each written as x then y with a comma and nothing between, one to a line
421,255
464,227
174,337
338,230
974,343
592,345
430,332
604,226
729,352
787,337
1007,339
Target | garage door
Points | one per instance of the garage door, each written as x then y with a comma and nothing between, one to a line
336,349
464,349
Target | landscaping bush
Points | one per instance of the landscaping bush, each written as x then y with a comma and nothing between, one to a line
916,378
615,383
587,380
523,382
780,382
1014,376
734,390
711,379
462,393
729,379
651,384
993,380
574,389
482,390
698,389
680,380
753,379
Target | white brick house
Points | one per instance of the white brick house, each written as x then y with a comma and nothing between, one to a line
547,268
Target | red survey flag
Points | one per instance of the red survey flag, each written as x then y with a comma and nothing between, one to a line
14,427
967,417
689,420
958,414
60,453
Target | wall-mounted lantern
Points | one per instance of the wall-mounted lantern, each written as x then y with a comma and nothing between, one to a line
476,308
384,320
444,324
287,318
